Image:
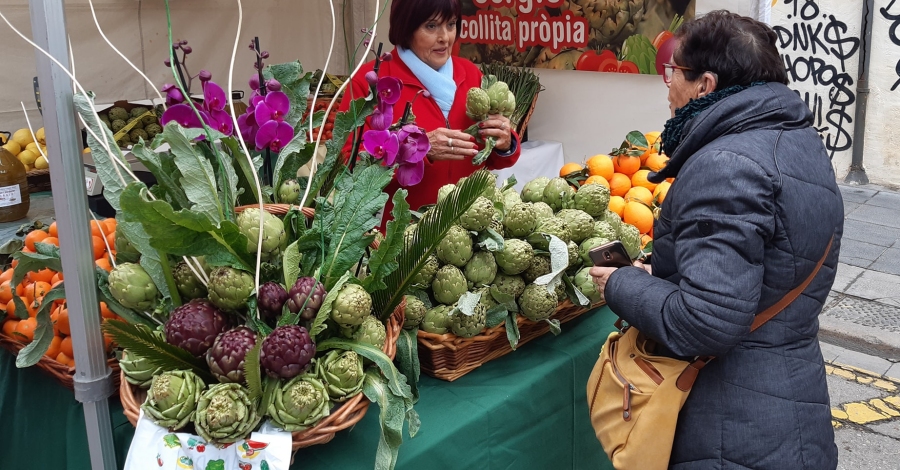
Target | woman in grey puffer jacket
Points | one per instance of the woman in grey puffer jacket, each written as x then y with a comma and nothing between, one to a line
751,211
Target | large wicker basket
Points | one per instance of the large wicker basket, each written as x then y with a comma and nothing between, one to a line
60,372
449,357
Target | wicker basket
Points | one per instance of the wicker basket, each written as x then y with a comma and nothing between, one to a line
449,357
62,373
38,180
520,129
343,417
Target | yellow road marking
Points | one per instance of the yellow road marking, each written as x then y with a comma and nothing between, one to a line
884,408
885,385
867,411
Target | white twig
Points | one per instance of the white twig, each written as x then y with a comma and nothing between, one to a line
136,69
71,61
202,278
31,129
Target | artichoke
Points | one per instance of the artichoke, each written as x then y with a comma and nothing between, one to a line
118,112
342,373
603,229
426,275
229,288
351,305
137,134
299,404
588,245
371,332
542,211
456,246
478,104
225,414
289,192
194,326
138,371
138,111
613,220
153,130
187,283
558,194
497,226
172,398
534,189
592,199
448,285
274,235
305,297
126,252
515,257
148,120
498,94
468,326
481,269
132,287
478,216
270,300
226,356
445,191
536,303
574,253
511,197
287,352
414,312
585,283
509,285
555,226
437,319
520,220
579,223
630,236
117,124
539,266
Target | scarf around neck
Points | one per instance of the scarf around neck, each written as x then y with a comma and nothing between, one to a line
438,82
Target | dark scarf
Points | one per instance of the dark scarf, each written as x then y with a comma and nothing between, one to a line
673,132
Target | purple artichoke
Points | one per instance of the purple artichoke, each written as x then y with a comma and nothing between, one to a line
226,356
270,300
287,352
194,326
305,297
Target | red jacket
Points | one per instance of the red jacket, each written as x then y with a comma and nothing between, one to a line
429,117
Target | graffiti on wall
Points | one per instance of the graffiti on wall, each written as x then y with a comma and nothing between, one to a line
894,19
818,50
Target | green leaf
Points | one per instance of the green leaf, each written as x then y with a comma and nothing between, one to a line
559,261
345,123
396,380
489,240
392,411
291,264
357,200
383,261
575,294
554,326
269,387
43,334
156,351
429,232
198,178
488,81
252,370
129,225
30,262
512,331
407,360
502,298
495,315
467,303
294,83
318,325
246,185
226,179
508,183
46,249
162,165
110,175
290,160
636,139
484,153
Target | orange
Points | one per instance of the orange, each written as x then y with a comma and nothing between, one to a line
25,330
36,292
6,293
9,326
52,230
53,350
626,165
619,184
639,215
639,193
62,358
600,165
656,162
51,241
99,246
659,194
111,239
65,346
639,178
652,140
56,278
109,225
62,320
45,275
34,236
97,229
104,263
6,275
617,205
570,168
105,312
596,179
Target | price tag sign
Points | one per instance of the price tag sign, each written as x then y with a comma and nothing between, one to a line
89,183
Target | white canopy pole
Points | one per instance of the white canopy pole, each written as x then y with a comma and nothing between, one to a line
92,376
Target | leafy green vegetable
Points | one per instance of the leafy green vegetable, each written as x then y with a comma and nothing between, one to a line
43,334
383,261
252,371
294,83
110,174
198,178
162,165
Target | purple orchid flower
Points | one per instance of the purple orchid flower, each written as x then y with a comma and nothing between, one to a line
381,144
388,89
213,96
382,118
247,125
414,146
274,107
183,115
173,94
274,134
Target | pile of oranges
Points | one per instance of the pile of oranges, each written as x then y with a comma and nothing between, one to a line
37,284
631,195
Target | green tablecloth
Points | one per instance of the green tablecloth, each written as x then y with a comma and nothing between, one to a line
526,410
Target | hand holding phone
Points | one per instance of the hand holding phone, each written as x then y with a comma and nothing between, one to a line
611,255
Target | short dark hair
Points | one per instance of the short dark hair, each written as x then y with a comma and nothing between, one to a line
739,50
408,15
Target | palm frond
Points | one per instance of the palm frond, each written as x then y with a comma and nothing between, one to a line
430,230
142,342
252,373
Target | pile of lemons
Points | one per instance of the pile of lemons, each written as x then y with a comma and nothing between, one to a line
32,154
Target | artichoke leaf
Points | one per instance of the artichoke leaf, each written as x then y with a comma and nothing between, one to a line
318,324
252,374
295,84
554,326
392,414
496,315
142,342
103,160
383,260
162,165
198,178
407,361
467,303
246,192
396,380
512,331
559,261
43,334
489,240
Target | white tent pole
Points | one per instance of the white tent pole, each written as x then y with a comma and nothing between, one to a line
93,383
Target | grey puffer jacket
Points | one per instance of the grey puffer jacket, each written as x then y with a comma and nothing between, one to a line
750,213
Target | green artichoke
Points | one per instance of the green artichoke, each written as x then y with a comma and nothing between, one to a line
630,236
585,283
289,192
481,269
449,284
510,285
603,229
534,189
555,226
300,403
351,306
274,235
478,216
371,332
437,319
445,191
579,223
498,93
414,312
592,199
478,104
520,220
173,398
132,287
539,266
542,210
425,276
574,253
558,194
225,414
468,326
515,257
229,288
138,371
536,303
456,246
613,220
586,247
342,373
511,197
187,283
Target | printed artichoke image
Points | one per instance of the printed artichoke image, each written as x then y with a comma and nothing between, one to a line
225,414
132,287
172,398
300,403
229,288
226,356
287,352
342,373
138,371
194,326
611,21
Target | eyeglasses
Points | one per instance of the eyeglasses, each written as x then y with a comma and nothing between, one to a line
669,70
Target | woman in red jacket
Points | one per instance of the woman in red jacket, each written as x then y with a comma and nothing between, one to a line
423,32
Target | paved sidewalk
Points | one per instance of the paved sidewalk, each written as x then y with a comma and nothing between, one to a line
863,310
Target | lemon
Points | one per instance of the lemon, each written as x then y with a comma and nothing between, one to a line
29,168
28,157
23,137
33,147
13,147
39,135
41,163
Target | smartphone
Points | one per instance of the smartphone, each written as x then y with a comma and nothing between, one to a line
611,255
